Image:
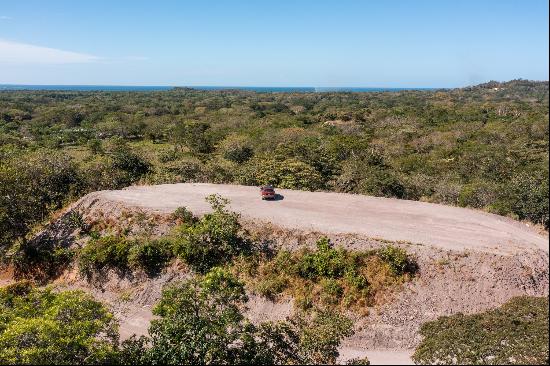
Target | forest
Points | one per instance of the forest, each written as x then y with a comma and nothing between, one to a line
484,147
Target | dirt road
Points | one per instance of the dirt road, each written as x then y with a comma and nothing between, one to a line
391,219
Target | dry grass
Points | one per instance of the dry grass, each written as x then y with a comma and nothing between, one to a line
340,278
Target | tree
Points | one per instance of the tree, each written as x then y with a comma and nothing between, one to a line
283,173
200,322
194,136
39,326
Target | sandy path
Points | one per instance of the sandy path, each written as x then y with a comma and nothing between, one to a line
391,219
378,357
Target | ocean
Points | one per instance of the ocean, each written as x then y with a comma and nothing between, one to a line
259,89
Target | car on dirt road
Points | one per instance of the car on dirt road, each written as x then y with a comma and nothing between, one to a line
267,192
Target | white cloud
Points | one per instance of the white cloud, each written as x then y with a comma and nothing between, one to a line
14,52
4,17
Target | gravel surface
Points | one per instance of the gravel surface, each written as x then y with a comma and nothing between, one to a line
442,226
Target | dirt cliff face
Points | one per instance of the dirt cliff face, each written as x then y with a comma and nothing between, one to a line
449,281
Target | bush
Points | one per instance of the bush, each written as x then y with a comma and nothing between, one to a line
332,277
358,361
527,196
271,286
281,172
150,256
130,163
397,259
478,195
39,326
195,136
324,262
122,254
184,215
105,252
213,239
381,183
515,333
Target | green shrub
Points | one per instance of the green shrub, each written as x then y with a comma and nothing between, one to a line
122,254
103,253
515,333
397,259
238,154
358,361
321,334
213,239
478,195
381,182
527,196
281,172
129,162
334,277
332,291
150,256
271,286
324,262
183,214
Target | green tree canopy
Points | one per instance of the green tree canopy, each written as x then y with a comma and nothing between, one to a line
44,327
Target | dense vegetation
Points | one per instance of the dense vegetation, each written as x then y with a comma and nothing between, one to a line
43,327
484,147
516,333
199,321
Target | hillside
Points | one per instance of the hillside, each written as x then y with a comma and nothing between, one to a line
468,261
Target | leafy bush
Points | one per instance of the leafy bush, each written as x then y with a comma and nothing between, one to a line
527,196
105,252
281,172
397,259
122,254
150,256
195,136
184,215
516,333
358,361
39,326
126,160
213,239
324,262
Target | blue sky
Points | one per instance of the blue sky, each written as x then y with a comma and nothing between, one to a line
385,43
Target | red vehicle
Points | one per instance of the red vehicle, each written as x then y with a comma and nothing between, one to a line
267,192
